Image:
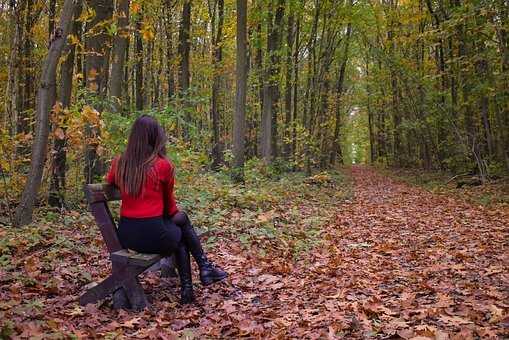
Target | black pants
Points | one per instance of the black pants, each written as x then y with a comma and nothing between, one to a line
154,235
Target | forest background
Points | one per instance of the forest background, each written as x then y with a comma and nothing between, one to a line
281,85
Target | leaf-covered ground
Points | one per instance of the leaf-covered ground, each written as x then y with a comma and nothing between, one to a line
388,261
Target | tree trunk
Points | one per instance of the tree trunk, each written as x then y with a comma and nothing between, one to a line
268,137
59,153
26,85
140,88
295,99
241,89
336,144
24,211
287,151
184,47
217,56
118,53
96,51
170,75
14,68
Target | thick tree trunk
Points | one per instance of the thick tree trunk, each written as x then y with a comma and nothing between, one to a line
45,99
118,53
268,137
241,88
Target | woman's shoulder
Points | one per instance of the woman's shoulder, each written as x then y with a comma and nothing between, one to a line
163,163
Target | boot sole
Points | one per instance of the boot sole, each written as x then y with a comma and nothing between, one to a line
213,280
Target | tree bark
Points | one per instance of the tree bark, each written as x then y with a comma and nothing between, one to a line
268,136
24,211
287,144
184,48
14,69
140,88
241,89
170,74
96,45
118,53
217,56
336,144
56,197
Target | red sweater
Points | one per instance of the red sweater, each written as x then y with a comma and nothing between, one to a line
155,194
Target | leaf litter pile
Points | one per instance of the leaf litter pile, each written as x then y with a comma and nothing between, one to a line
315,257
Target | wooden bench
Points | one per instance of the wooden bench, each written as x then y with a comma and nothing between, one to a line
126,265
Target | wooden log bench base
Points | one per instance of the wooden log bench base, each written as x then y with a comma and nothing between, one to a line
126,265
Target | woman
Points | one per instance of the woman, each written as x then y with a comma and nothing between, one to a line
150,221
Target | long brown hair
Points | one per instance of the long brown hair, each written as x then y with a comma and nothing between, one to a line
146,142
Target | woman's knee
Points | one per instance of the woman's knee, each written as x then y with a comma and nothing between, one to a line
180,218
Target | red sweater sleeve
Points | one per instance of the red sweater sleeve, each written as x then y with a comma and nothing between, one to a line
169,192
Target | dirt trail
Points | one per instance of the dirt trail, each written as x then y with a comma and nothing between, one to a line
417,263
397,260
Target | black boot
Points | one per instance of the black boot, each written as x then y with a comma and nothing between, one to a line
208,272
183,262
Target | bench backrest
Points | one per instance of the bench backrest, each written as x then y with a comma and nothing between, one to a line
98,196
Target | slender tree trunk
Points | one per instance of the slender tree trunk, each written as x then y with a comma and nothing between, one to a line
119,52
336,144
217,57
24,211
56,196
51,17
287,144
295,98
260,76
26,85
184,48
140,88
14,69
241,89
96,46
170,55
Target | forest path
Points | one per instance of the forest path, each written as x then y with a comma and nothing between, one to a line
396,259
409,261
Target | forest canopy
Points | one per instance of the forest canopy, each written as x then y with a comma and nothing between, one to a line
300,85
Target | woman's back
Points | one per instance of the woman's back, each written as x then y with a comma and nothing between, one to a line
156,192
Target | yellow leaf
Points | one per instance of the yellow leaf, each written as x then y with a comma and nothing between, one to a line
90,115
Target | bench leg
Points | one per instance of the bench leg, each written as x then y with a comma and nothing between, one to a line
120,300
101,291
122,283
135,294
168,266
